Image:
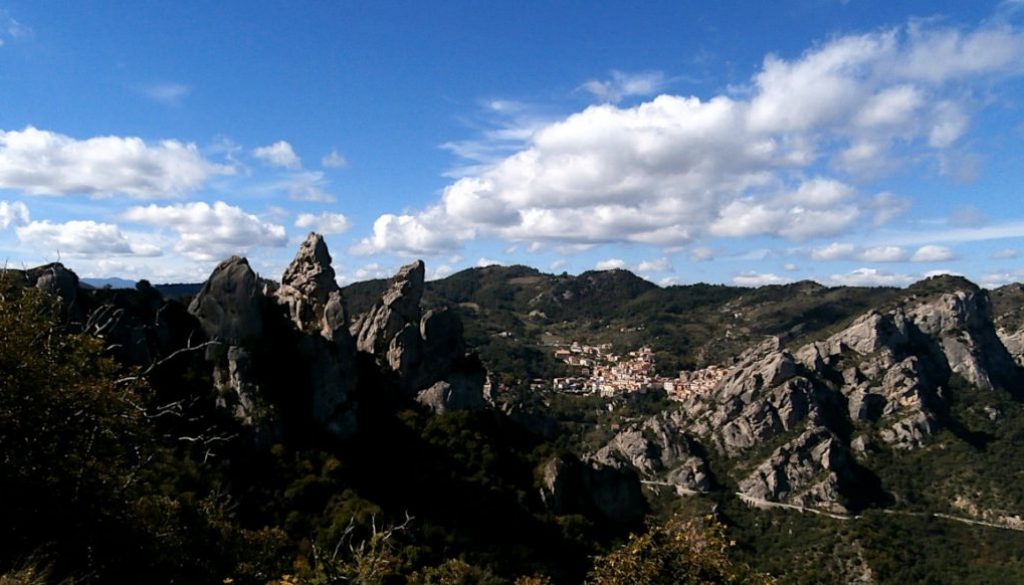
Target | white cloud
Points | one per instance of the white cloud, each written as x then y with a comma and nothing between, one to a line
324,223
844,251
871,277
833,251
11,29
610,264
791,267
887,207
278,154
883,254
425,234
40,162
675,169
658,265
701,254
941,272
1005,254
334,160
15,214
558,265
933,253
484,262
997,279
441,271
623,85
168,94
210,232
757,279
307,186
84,239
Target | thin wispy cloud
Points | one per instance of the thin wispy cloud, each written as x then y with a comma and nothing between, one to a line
168,94
621,85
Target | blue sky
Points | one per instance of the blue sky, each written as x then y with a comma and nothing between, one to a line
744,143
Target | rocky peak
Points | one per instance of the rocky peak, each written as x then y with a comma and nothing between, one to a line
310,292
398,307
229,304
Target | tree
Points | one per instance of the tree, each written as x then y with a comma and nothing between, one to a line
677,552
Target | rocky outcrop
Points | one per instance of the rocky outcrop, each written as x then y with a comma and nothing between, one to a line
398,308
425,352
824,408
569,486
229,306
660,450
310,292
807,471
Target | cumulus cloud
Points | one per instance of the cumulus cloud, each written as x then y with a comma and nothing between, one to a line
622,85
210,232
334,160
871,277
657,265
675,168
15,214
484,262
1004,254
834,251
40,162
278,154
883,254
409,235
932,253
758,279
83,239
325,223
610,264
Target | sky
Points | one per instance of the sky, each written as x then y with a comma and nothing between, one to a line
848,142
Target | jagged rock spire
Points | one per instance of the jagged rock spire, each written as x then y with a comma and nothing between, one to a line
398,308
310,291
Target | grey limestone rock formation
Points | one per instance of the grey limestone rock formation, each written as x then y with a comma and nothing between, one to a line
310,340
659,450
426,352
229,306
310,292
880,383
397,308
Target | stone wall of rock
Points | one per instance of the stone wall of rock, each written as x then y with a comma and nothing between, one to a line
886,372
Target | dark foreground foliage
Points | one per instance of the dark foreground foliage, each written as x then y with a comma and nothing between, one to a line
124,476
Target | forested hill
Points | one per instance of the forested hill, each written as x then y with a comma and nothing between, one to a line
512,311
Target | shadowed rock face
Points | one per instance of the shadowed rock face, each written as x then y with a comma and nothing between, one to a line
427,352
229,305
397,308
295,334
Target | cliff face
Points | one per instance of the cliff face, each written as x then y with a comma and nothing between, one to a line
284,352
801,425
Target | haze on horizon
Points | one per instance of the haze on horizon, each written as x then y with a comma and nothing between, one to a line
847,142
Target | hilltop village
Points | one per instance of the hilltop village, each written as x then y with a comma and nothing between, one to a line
608,374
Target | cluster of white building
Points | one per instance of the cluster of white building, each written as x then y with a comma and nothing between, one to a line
608,374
